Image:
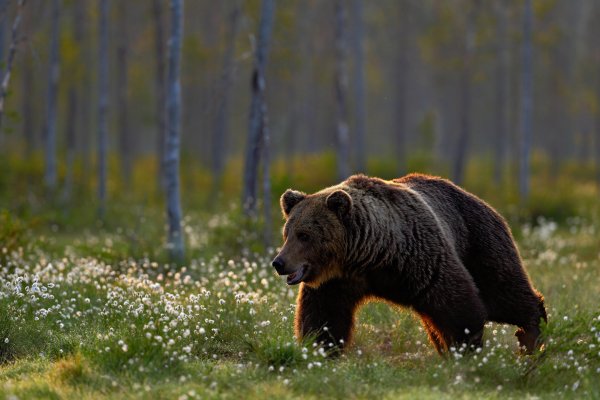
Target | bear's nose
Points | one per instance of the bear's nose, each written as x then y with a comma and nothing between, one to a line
278,264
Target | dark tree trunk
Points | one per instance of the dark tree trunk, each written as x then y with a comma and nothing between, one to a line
460,159
71,141
27,85
87,101
597,116
266,175
3,12
256,131
526,100
174,214
400,75
125,138
51,110
341,92
102,106
73,108
502,84
359,82
219,142
159,47
14,40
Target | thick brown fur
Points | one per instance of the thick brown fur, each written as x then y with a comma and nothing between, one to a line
418,241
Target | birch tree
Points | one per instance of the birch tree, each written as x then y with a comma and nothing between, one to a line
160,88
27,86
401,76
526,100
73,99
125,139
87,100
14,39
3,12
102,105
502,84
222,119
359,84
51,100
341,92
257,126
175,236
460,159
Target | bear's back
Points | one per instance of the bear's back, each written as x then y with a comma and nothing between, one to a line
472,220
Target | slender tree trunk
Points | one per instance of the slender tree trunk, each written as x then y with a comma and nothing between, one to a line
125,139
102,106
9,62
266,175
526,101
73,109
460,159
341,92
291,128
159,48
256,133
597,119
359,83
176,244
502,84
71,141
86,104
220,134
50,131
401,76
3,12
27,86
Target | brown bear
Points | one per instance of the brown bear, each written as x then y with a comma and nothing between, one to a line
417,241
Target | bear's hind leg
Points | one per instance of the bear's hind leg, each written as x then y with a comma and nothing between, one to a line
505,287
434,336
453,310
514,301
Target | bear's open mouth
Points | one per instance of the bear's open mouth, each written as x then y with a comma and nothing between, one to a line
296,277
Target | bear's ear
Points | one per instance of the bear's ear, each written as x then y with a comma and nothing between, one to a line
289,199
339,202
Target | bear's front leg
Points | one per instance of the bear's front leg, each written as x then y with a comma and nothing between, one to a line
327,312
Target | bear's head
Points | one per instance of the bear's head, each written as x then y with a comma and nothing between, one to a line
314,236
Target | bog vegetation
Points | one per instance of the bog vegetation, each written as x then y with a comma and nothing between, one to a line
143,145
94,308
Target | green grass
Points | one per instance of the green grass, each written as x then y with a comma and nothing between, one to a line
91,309
75,326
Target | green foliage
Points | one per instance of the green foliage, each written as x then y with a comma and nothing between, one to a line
13,233
103,314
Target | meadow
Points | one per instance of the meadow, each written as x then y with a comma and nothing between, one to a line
93,309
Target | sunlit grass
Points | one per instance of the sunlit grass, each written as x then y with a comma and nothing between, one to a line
93,309
74,324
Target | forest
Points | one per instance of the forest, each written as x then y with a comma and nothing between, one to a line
144,146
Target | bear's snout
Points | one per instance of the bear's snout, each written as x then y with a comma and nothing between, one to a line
279,265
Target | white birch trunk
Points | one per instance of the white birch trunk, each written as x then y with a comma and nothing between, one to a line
102,106
359,84
9,62
257,110
526,101
160,87
341,92
176,244
51,105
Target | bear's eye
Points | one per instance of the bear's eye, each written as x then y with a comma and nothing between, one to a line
303,237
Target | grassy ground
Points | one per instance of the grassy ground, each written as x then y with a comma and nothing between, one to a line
90,310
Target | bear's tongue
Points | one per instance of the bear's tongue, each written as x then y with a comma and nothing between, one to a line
295,277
